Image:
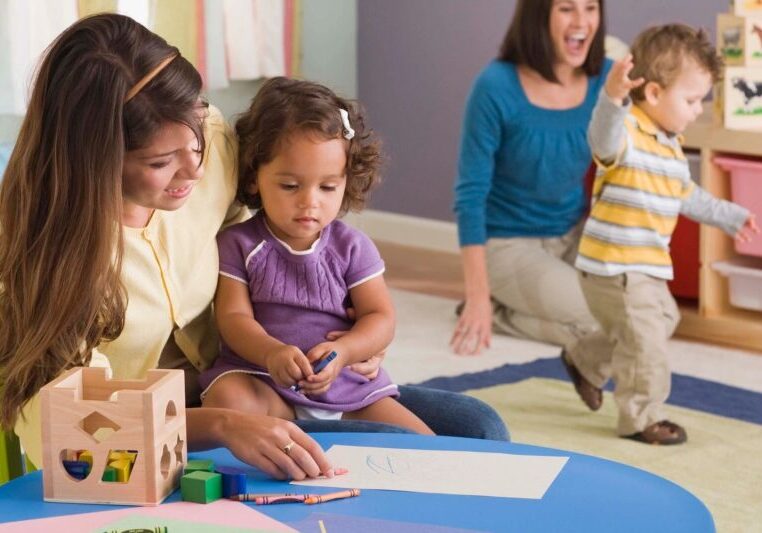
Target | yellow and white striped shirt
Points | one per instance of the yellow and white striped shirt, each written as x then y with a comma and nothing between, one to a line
638,197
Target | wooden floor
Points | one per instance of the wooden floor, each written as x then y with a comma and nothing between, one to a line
414,269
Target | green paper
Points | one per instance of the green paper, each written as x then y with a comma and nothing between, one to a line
138,523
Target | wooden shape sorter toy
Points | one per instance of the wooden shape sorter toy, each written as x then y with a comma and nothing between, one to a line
113,441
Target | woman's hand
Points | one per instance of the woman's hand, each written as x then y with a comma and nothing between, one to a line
618,82
265,442
287,365
259,440
473,331
370,367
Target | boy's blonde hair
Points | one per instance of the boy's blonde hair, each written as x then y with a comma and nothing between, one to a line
659,53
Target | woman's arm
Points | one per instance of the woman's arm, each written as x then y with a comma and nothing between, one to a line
240,330
258,440
473,331
481,139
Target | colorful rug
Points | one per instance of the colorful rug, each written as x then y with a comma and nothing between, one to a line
716,396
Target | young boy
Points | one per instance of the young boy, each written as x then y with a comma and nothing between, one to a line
643,183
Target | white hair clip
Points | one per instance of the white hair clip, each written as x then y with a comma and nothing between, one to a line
349,133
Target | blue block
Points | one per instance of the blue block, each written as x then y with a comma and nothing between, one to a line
233,481
77,469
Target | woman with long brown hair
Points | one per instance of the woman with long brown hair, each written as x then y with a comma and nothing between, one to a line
105,256
107,245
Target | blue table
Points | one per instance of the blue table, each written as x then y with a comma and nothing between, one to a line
589,495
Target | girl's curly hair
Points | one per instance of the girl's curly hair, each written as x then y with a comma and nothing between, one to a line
284,106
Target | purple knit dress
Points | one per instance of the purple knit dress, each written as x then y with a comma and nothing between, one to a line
298,297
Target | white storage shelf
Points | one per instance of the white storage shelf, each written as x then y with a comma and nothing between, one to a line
744,281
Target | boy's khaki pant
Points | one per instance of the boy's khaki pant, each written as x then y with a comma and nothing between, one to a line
535,291
637,314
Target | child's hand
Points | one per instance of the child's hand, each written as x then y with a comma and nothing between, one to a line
320,382
748,230
618,83
287,365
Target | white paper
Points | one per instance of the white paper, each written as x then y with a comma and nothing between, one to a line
439,471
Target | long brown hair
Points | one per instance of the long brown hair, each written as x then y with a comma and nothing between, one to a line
61,197
284,106
528,42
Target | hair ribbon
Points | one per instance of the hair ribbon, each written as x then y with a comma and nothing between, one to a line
349,133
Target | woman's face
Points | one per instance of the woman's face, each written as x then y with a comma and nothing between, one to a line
161,175
573,25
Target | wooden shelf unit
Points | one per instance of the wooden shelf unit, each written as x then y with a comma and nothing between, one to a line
716,320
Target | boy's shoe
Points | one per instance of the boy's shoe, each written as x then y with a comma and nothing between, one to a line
662,432
590,394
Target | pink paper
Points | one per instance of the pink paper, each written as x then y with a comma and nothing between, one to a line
221,512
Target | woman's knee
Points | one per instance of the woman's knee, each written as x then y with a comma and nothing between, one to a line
465,416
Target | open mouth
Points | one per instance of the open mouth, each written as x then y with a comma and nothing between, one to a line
179,192
575,43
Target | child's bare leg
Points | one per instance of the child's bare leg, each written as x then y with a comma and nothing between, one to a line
390,411
244,392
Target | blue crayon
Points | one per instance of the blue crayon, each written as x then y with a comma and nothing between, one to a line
322,363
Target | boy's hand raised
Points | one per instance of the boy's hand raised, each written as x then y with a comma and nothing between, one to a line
748,230
618,83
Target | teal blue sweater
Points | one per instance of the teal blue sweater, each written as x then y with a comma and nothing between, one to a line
521,168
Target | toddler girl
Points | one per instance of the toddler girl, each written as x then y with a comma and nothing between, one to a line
289,274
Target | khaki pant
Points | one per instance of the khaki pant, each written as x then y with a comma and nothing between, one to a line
637,315
535,291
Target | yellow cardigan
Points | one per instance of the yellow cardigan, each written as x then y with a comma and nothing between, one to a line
170,271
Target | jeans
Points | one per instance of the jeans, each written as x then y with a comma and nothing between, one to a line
446,413
463,416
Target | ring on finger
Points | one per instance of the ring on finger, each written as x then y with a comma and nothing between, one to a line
287,448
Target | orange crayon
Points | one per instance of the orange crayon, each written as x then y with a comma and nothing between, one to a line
322,498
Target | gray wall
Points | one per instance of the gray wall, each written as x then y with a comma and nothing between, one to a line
417,59
329,44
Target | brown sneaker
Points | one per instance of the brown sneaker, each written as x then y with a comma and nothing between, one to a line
590,394
663,432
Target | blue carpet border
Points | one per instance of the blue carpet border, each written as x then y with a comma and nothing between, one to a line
687,391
